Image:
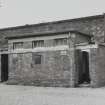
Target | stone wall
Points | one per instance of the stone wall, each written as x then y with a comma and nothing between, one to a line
54,69
0,69
100,70
97,66
57,67
93,66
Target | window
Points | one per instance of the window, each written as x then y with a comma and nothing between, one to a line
36,59
61,41
17,45
38,43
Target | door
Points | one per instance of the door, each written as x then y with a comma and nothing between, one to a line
85,67
82,67
4,67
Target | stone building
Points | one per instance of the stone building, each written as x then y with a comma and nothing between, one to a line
64,53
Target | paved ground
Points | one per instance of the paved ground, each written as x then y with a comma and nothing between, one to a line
30,95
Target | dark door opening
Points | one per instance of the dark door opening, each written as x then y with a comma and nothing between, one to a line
4,67
84,76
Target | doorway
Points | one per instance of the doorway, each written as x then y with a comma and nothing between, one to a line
84,76
4,67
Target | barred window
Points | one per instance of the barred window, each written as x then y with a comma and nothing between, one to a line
17,45
61,41
37,43
37,59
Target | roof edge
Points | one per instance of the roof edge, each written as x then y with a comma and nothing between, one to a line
48,33
53,22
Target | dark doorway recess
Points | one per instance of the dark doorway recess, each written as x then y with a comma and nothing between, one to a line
4,67
84,76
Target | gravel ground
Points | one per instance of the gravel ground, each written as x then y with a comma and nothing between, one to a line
30,95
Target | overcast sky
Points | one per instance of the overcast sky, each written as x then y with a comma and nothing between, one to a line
21,12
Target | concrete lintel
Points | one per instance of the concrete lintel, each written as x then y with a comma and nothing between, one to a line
39,49
87,46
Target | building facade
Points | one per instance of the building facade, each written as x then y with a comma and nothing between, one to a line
64,53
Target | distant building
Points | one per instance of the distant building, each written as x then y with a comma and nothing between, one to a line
64,53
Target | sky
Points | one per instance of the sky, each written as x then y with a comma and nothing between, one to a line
21,12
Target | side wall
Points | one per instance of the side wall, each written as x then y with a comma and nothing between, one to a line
0,68
97,66
101,65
